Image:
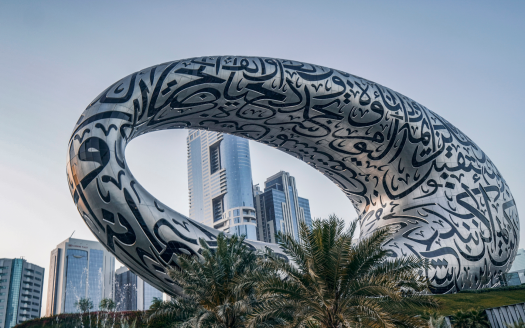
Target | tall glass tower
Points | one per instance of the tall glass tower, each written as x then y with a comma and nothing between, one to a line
20,291
79,269
279,208
220,182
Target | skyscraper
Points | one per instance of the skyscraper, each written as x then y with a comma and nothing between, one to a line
21,286
279,208
220,182
79,269
132,293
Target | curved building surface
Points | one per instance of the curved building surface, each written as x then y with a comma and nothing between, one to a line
400,164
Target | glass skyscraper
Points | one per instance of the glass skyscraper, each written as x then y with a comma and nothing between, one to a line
279,208
79,269
132,293
220,182
519,261
21,286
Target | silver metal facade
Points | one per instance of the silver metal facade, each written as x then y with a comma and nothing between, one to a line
505,316
402,165
519,261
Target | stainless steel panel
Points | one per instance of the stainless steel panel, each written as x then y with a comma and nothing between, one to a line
401,165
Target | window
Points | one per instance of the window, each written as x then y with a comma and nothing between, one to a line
39,273
38,279
2,287
36,297
36,291
215,158
37,285
218,208
2,294
34,310
2,301
36,304
3,280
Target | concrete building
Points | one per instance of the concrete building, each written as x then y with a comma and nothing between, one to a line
279,207
79,269
220,182
132,293
21,288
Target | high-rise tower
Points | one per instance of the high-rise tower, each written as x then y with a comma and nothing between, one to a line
220,182
21,286
279,208
79,269
132,293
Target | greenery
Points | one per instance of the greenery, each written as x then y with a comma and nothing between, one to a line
84,305
338,283
435,320
107,304
489,290
126,319
215,290
519,324
486,300
335,282
470,319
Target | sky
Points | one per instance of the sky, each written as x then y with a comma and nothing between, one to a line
461,59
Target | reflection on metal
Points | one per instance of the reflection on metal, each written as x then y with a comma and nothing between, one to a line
400,164
505,316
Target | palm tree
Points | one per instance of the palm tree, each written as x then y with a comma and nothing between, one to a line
519,324
212,293
435,320
107,304
84,305
470,319
336,283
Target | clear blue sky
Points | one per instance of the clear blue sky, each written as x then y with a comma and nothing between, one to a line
462,59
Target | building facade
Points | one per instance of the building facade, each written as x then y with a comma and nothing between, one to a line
519,261
220,182
21,288
79,269
279,207
132,293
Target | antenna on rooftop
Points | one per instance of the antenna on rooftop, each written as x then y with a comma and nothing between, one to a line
72,234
